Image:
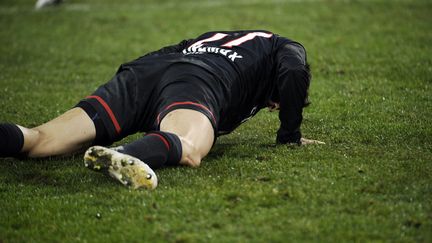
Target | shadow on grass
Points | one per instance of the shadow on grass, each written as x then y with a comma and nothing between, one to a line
237,150
69,175
64,174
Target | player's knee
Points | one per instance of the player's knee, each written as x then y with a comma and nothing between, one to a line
191,154
192,161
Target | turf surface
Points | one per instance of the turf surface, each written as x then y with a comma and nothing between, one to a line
371,104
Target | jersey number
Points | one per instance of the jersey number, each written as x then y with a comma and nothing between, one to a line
235,42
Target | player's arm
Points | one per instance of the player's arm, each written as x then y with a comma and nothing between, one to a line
171,49
293,84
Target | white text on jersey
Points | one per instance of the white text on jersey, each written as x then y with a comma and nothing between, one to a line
199,49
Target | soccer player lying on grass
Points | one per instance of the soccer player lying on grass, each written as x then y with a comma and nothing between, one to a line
183,97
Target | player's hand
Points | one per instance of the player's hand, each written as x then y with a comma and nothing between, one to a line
305,141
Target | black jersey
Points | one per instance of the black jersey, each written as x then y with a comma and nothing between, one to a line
252,68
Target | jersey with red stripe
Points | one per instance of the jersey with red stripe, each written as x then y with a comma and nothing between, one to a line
252,68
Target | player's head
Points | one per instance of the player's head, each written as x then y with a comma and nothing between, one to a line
273,106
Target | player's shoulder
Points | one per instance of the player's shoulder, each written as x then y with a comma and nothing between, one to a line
285,44
283,40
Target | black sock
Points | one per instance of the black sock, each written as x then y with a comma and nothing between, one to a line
156,149
11,140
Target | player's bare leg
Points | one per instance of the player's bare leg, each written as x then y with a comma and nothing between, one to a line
68,133
195,132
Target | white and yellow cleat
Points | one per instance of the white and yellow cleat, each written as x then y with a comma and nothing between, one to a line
127,169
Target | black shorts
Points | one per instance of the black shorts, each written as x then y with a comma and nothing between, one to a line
137,98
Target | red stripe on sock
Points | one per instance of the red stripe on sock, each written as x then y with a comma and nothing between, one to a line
187,103
162,138
108,110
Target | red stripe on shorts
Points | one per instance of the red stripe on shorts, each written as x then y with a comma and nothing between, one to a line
108,110
187,103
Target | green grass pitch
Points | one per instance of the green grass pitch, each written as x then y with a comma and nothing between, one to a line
371,103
